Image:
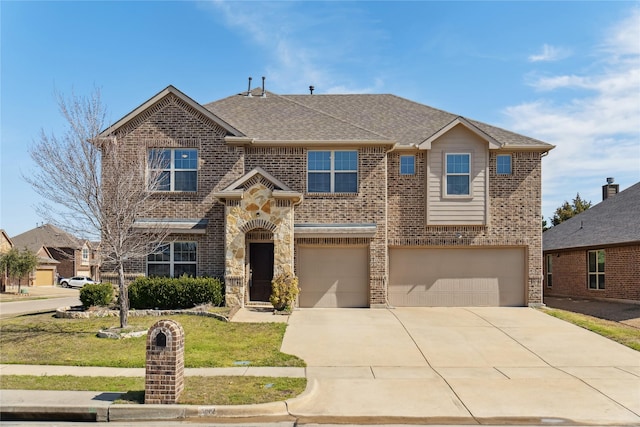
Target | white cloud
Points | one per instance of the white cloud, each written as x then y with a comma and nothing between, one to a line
596,129
295,57
550,53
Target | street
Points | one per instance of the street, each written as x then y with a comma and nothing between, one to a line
55,297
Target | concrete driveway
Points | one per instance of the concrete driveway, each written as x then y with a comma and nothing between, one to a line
466,365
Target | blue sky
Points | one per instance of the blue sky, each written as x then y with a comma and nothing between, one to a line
567,73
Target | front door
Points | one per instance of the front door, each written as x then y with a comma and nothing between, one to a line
261,264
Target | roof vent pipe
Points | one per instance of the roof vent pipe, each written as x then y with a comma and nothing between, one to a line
311,88
249,88
264,94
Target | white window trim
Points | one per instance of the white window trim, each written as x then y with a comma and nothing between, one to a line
172,261
172,169
446,174
413,157
549,268
332,171
510,164
85,259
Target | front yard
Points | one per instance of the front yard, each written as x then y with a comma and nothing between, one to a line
43,339
46,340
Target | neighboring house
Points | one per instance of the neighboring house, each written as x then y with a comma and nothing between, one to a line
371,200
596,254
5,246
74,257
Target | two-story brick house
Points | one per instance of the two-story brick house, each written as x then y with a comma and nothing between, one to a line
61,254
371,200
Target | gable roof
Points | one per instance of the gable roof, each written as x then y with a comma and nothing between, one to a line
365,117
281,118
5,241
610,222
279,190
169,90
47,235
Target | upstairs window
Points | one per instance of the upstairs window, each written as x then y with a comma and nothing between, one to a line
407,165
176,168
596,269
458,174
503,164
332,171
173,260
85,255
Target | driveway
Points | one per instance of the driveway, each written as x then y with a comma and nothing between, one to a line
461,365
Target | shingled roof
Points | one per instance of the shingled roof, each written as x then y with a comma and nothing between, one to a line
46,235
365,117
613,221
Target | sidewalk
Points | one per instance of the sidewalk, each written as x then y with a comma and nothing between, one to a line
405,366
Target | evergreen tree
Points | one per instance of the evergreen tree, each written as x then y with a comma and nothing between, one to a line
569,210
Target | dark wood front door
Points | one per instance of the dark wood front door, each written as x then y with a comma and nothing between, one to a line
261,262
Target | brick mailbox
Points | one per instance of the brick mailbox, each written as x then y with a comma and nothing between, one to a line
164,377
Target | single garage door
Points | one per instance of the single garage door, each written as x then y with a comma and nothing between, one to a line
44,278
457,277
333,276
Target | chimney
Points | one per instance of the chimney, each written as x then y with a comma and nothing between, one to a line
610,189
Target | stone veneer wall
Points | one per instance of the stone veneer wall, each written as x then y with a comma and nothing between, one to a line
256,210
514,213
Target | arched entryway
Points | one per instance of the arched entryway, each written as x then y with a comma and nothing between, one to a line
258,235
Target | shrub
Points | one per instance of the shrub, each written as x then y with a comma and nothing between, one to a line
96,294
284,291
175,293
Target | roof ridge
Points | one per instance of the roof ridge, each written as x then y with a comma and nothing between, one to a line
333,116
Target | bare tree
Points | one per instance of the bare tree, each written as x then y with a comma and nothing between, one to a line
98,188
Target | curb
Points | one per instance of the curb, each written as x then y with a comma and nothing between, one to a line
132,412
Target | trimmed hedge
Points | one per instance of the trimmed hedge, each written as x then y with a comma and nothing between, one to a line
96,294
166,293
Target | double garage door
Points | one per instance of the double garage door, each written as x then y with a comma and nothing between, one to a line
418,277
422,277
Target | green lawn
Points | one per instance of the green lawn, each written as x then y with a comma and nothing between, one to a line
197,390
624,334
45,340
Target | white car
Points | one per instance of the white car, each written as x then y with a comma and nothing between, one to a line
75,282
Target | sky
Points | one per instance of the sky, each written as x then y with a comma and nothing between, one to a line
567,73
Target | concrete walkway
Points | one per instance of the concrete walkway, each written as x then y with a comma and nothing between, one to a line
415,365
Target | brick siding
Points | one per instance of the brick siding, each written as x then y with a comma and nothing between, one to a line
622,274
394,202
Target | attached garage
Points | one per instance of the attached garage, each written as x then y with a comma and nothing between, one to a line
463,277
333,276
44,277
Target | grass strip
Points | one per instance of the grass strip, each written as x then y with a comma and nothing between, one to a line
198,390
46,340
624,334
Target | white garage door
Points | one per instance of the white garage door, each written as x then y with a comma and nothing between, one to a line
333,276
457,277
